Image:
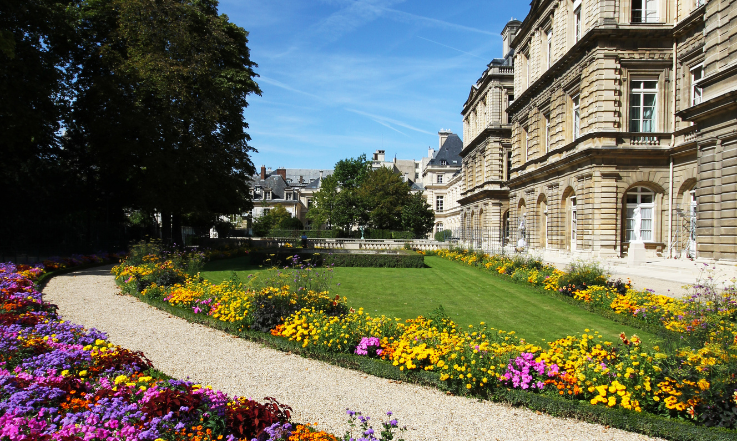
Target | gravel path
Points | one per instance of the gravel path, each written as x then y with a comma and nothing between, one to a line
318,392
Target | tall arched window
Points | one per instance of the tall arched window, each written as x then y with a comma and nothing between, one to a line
644,198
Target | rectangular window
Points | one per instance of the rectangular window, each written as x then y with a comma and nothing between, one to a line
266,211
547,132
439,204
550,47
510,100
577,24
644,11
289,196
643,101
440,179
576,117
697,73
509,164
526,140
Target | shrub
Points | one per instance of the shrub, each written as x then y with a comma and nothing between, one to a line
442,236
582,274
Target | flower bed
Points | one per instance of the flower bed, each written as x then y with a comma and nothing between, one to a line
698,377
677,382
59,381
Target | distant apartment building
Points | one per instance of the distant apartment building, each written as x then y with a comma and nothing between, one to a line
441,180
289,188
613,108
408,169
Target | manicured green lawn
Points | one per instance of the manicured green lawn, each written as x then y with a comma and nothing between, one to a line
468,295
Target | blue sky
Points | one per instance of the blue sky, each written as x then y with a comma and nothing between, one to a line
345,77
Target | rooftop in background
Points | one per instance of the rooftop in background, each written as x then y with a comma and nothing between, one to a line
295,177
449,153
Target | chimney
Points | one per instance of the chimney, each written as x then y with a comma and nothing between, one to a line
282,172
443,136
508,34
321,175
263,172
379,156
430,152
301,179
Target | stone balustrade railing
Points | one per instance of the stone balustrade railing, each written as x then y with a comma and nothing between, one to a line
358,244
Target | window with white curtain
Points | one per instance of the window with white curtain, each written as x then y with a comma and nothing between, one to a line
643,102
576,117
697,73
645,11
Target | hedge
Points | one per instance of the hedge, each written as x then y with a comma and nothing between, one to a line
280,258
400,260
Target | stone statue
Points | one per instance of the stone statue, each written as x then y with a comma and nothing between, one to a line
637,224
522,227
521,243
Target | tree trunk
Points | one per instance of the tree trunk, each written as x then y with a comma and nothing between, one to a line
176,233
166,227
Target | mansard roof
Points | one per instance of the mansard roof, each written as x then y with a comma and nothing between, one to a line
449,152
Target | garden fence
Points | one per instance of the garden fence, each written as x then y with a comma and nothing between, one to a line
487,239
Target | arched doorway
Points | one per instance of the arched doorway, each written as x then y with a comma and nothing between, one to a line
505,228
684,235
523,225
542,215
571,225
639,226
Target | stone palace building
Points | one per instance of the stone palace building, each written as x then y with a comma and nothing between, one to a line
598,108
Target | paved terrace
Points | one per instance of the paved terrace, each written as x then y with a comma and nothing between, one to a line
671,277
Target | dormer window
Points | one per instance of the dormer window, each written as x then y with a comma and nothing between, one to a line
443,162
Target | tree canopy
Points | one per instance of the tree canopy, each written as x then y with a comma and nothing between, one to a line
377,199
127,105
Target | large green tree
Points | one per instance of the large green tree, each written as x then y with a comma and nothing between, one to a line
351,172
417,216
325,203
36,42
162,88
337,203
382,194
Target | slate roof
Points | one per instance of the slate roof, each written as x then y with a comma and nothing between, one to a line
308,174
275,183
449,151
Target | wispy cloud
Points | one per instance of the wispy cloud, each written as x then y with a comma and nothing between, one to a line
354,15
281,85
388,126
378,118
406,16
450,47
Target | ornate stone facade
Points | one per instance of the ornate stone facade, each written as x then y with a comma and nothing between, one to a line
707,60
594,127
486,151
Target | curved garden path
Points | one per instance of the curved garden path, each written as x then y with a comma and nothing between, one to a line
318,392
